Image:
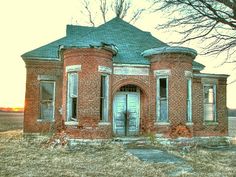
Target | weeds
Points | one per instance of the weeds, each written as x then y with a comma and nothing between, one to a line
30,157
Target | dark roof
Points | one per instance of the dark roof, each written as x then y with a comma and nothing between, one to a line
51,51
129,40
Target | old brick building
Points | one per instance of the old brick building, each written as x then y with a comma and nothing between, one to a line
116,80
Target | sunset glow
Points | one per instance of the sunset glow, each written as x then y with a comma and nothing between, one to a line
16,109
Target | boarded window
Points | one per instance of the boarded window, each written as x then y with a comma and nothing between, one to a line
189,100
104,97
162,99
72,96
209,102
47,94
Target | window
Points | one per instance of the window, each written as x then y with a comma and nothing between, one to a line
162,99
104,98
72,96
47,99
209,102
128,88
189,100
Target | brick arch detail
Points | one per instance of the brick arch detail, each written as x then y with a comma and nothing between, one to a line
132,81
146,123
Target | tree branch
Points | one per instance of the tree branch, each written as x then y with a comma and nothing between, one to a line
211,21
103,9
87,8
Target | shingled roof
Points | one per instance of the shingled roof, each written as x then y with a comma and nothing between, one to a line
51,51
129,40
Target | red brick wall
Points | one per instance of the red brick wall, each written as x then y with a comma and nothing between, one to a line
89,125
32,102
177,87
201,128
89,90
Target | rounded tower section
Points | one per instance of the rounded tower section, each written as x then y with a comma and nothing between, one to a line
172,70
86,89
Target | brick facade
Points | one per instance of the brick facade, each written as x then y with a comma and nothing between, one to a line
34,69
90,63
89,125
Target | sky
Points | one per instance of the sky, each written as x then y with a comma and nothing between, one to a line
28,24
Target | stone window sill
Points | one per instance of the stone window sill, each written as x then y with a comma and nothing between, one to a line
189,123
45,121
104,123
162,123
210,123
71,123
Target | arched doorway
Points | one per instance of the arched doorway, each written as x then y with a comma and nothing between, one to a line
126,111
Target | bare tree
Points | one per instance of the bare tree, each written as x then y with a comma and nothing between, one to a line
211,21
136,15
89,13
104,9
118,8
121,8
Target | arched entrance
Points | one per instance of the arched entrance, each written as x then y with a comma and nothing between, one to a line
126,111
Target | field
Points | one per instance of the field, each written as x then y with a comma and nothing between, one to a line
23,157
10,121
232,126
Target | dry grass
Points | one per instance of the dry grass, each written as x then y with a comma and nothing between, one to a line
30,157
25,157
208,162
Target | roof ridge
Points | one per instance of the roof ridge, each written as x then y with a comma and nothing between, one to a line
114,20
120,20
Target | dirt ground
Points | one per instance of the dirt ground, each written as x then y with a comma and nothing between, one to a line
24,157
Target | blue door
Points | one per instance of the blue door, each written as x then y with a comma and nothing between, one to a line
126,113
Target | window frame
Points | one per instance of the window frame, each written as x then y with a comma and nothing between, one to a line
40,119
104,108
189,101
158,99
70,98
213,85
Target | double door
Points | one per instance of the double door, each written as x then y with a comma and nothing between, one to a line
126,113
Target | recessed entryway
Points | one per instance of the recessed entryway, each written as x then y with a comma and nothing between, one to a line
126,111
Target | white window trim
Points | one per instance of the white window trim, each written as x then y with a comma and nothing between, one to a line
73,68
158,105
214,108
189,123
53,101
104,123
162,72
46,78
189,109
107,83
162,123
44,121
104,69
69,122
